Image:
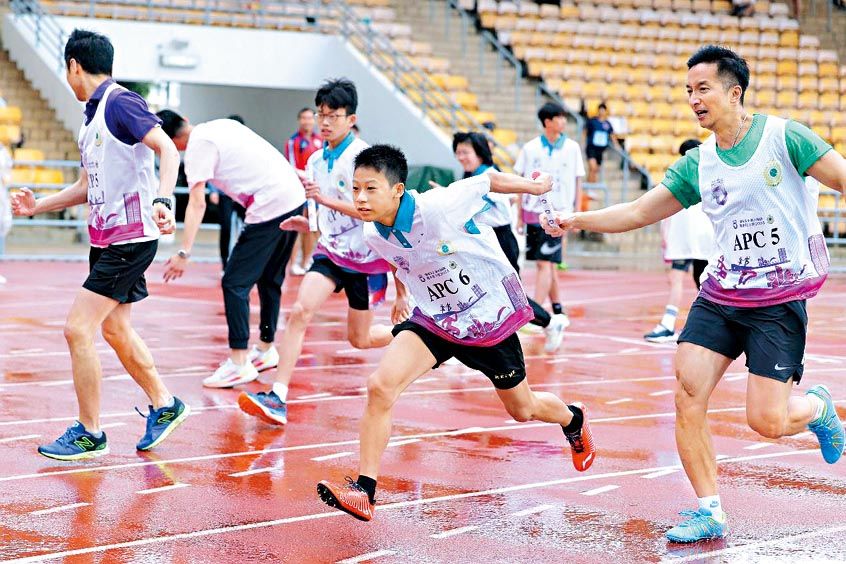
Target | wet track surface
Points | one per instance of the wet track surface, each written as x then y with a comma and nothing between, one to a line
460,482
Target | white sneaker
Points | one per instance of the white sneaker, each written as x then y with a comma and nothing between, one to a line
263,360
555,332
451,361
229,374
2,279
297,269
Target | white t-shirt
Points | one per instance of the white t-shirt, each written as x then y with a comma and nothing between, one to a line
341,238
563,162
245,167
688,235
463,287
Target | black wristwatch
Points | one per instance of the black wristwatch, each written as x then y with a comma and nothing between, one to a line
165,201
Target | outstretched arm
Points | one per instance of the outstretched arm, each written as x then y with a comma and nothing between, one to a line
830,170
657,204
505,183
24,202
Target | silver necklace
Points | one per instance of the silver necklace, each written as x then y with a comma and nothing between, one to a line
739,129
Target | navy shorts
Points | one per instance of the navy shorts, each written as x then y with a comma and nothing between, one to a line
117,271
353,283
772,337
502,363
542,246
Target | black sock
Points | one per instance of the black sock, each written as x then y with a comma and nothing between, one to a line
557,309
368,484
576,422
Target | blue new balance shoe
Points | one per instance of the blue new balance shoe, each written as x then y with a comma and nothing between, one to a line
76,444
265,406
828,428
161,423
699,525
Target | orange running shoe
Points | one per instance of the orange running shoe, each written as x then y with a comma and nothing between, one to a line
581,443
350,498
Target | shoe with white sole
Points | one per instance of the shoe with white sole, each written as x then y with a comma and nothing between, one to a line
229,374
661,335
263,360
297,270
555,332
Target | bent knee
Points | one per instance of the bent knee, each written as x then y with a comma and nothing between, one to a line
300,314
76,333
380,390
520,413
113,332
769,425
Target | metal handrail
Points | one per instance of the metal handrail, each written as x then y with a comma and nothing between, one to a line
44,27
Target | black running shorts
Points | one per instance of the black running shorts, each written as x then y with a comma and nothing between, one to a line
353,283
117,271
541,246
502,363
772,337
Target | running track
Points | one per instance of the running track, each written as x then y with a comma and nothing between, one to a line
460,482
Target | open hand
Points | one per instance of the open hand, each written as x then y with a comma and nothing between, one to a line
400,310
297,223
175,268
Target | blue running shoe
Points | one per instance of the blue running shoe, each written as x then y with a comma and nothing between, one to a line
76,444
161,422
266,406
828,429
660,335
699,525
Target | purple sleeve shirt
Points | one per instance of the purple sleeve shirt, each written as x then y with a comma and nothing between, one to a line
128,117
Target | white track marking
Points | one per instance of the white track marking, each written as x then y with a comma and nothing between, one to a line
332,456
453,532
601,490
253,472
21,438
662,393
661,473
532,510
315,396
368,556
402,443
616,401
387,507
162,489
58,509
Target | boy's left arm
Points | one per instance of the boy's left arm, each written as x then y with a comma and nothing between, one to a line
400,310
505,183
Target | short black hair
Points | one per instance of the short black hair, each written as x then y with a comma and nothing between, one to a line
731,67
235,117
602,106
92,51
478,141
338,93
689,144
385,159
171,122
550,110
304,110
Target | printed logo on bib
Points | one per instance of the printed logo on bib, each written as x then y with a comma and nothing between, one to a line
402,263
446,248
98,139
718,192
772,173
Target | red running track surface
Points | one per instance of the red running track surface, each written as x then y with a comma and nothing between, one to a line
462,483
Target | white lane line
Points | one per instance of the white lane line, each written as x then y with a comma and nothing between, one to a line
111,425
756,546
315,396
25,351
349,351
627,351
616,401
758,446
662,393
401,443
511,422
572,356
721,456
603,489
252,472
337,444
57,509
661,473
189,368
368,556
386,507
734,378
162,489
21,438
424,380
453,532
532,510
332,456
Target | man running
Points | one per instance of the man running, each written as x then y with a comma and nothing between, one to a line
749,177
469,305
117,142
253,173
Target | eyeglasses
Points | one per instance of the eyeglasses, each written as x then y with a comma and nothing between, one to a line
331,118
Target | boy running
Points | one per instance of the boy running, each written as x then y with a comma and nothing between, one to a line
469,305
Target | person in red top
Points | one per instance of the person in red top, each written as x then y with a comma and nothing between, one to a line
297,150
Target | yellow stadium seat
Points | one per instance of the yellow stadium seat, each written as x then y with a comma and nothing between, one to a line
48,176
29,155
505,136
23,175
10,115
10,134
787,68
466,100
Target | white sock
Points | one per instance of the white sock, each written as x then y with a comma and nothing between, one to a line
712,504
669,319
819,408
170,402
280,390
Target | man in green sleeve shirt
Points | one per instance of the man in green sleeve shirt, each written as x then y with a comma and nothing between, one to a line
770,257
